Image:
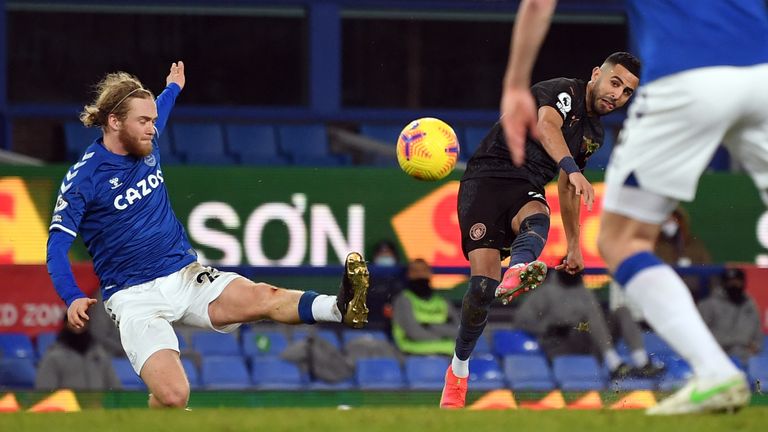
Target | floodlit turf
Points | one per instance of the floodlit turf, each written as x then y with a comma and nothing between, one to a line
377,419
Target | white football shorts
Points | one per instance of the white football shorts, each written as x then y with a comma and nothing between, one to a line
674,127
144,312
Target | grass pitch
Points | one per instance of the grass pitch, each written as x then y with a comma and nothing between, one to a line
385,419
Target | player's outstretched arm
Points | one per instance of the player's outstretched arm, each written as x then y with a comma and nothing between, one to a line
167,98
77,313
518,110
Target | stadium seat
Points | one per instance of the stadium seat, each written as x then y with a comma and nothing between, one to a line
77,138
379,374
43,341
127,375
758,369
721,161
182,341
308,145
676,373
471,139
192,374
17,373
384,133
328,335
201,143
528,372
426,372
506,342
485,373
348,335
16,345
167,154
254,144
273,373
482,347
654,344
578,373
209,343
264,343
224,373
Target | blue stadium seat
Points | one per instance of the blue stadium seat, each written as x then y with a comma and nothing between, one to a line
264,343
254,144
43,341
127,375
182,341
473,135
77,138
528,372
599,160
379,374
192,374
485,373
482,347
308,145
328,335
224,373
17,373
385,133
167,154
578,373
201,143
758,369
506,342
721,161
348,335
273,373
209,343
17,345
426,372
655,345
676,373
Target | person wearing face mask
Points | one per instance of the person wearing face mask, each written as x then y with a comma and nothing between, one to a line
385,283
567,319
423,322
733,317
76,361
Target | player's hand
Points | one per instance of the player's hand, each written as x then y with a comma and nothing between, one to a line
176,75
573,262
582,188
77,314
518,119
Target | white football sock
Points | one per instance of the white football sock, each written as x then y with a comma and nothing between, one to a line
460,367
611,359
639,358
324,309
668,308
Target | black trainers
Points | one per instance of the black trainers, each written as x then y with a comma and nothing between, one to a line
650,370
622,371
353,292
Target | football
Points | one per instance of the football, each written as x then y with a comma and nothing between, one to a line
427,149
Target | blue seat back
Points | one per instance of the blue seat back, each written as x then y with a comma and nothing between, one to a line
17,373
77,138
385,133
303,140
426,372
128,377
506,342
17,345
209,343
484,372
43,341
379,374
192,373
275,374
264,343
224,372
578,372
528,372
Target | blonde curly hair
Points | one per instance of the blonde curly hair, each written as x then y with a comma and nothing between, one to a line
112,93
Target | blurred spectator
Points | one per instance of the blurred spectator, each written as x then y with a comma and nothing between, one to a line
103,329
567,319
76,361
677,246
385,283
733,317
423,322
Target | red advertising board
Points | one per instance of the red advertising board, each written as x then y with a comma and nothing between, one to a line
28,302
757,287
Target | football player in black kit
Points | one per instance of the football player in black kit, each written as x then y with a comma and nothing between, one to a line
502,209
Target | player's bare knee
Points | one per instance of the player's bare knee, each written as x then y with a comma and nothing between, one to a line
173,395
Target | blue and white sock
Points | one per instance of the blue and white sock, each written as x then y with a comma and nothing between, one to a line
669,309
314,307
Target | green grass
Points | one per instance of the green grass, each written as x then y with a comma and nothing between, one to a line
386,419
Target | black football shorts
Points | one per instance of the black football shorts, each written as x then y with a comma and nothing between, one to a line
486,207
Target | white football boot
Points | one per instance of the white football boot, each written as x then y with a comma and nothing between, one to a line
706,395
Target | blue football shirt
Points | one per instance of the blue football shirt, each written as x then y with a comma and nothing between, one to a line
120,207
677,35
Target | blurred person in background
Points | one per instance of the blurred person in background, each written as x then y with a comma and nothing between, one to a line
386,283
733,317
76,361
424,322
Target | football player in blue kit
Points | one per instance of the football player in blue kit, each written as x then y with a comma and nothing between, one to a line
704,69
115,198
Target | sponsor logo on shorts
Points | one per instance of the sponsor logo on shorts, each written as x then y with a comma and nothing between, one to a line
477,231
